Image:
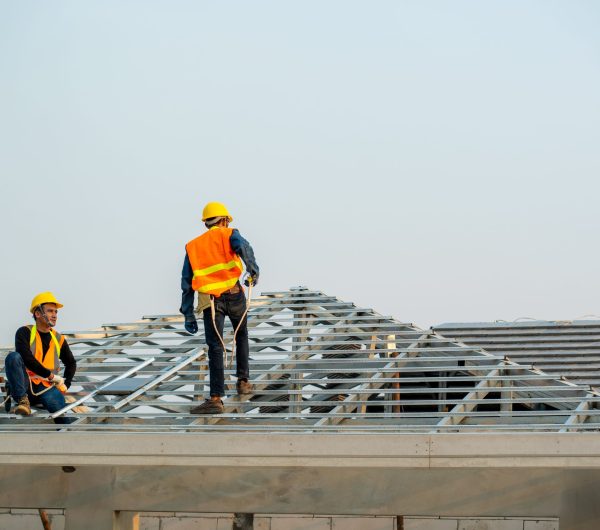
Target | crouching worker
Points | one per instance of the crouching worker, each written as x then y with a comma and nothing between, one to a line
33,370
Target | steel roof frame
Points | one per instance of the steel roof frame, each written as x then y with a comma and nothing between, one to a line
317,364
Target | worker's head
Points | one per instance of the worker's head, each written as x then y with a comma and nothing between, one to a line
44,309
217,221
216,214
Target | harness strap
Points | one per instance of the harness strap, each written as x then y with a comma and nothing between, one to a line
238,326
212,314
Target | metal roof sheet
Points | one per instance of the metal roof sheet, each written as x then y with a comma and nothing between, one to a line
567,349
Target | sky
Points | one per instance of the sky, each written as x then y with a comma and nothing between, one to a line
435,161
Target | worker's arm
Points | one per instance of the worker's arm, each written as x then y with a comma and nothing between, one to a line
68,360
243,249
22,347
187,293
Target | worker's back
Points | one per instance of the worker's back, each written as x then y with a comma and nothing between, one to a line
216,267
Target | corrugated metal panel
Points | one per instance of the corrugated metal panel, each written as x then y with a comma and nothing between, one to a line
569,349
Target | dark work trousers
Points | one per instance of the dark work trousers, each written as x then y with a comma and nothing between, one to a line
18,380
233,306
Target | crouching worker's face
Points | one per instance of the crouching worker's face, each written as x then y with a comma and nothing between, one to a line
51,315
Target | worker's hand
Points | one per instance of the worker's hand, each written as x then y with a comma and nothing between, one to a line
191,326
251,279
58,380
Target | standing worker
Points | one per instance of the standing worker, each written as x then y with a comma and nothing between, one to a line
212,267
33,370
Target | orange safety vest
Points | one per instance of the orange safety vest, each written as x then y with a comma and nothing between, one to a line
50,360
215,265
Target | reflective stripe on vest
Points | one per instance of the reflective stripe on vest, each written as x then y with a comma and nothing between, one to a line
50,360
215,265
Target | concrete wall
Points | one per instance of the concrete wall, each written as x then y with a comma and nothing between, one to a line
180,521
19,519
27,519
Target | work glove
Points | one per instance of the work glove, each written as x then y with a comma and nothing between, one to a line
191,326
251,279
58,380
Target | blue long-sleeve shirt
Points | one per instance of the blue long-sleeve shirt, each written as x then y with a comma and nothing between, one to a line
240,246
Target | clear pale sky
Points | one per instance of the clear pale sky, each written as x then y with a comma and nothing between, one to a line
436,161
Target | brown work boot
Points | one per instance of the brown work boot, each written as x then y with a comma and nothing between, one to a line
23,408
243,387
210,406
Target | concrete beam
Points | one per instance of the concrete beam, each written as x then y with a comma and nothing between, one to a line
505,475
555,450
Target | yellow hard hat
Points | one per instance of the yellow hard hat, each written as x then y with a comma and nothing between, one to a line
44,298
215,209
